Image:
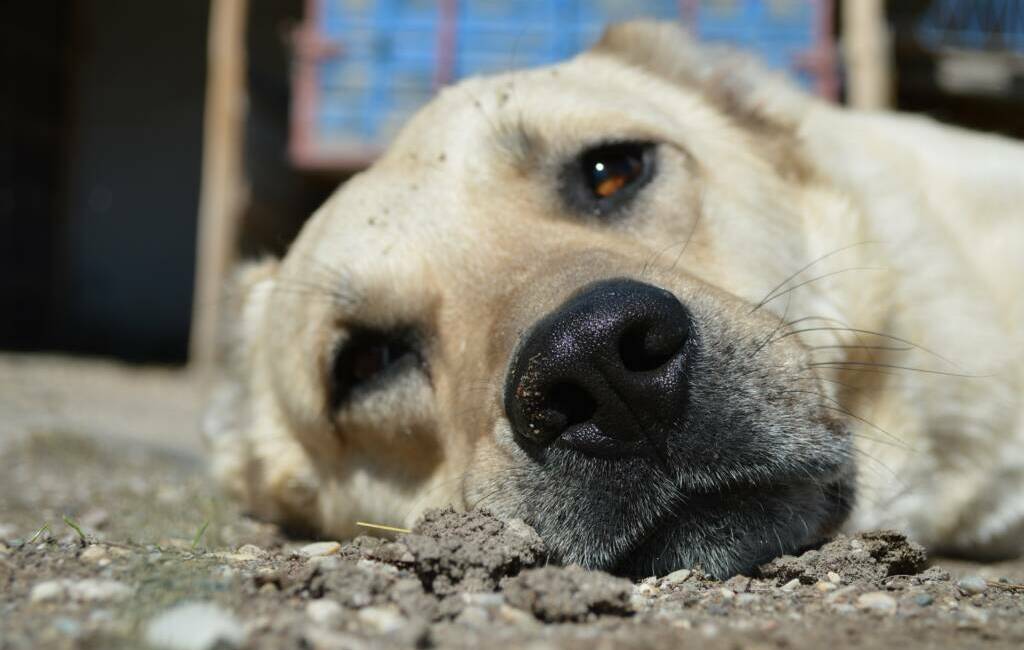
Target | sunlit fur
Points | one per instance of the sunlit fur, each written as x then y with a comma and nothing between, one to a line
855,281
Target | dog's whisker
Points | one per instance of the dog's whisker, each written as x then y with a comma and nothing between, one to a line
847,413
854,365
857,330
771,335
881,348
770,294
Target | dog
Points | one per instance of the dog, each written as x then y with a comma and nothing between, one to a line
658,303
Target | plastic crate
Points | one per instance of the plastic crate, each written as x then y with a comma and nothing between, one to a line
986,25
364,66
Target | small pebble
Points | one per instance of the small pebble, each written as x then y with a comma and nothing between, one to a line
791,585
320,549
971,585
646,590
923,600
976,614
473,616
67,626
95,554
677,577
381,619
825,587
727,594
484,599
93,590
747,599
516,616
251,551
50,590
324,611
739,584
877,601
834,577
195,626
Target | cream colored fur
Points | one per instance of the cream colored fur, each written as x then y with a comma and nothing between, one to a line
915,231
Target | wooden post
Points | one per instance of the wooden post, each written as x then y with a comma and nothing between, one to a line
223,192
866,50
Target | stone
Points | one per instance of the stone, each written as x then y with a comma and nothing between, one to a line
95,590
251,551
877,601
473,616
382,620
195,626
324,611
516,616
923,600
791,585
95,554
975,614
825,587
677,577
44,592
972,585
645,590
744,600
67,626
320,549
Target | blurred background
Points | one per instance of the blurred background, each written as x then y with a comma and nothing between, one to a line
146,146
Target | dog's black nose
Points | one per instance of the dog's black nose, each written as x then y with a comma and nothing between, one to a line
603,373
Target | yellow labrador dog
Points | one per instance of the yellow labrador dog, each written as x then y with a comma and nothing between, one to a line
656,302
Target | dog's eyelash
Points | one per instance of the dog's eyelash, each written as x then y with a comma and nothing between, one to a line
367,359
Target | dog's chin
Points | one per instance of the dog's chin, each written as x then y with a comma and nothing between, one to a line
623,520
733,532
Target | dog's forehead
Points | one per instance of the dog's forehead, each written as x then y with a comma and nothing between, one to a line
475,171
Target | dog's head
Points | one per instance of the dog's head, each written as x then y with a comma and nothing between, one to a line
552,297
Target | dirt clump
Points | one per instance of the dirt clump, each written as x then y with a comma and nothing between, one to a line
560,594
467,551
868,557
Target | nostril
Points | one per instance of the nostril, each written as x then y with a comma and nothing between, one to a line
647,347
572,404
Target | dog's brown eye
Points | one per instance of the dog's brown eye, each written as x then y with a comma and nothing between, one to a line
603,178
610,168
367,358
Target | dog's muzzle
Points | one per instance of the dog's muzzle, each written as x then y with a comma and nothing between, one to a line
605,373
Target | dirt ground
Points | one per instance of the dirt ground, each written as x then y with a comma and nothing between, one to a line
111,537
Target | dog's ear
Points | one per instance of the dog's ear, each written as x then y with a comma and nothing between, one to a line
245,299
251,454
736,82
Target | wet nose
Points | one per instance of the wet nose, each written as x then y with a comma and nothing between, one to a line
604,373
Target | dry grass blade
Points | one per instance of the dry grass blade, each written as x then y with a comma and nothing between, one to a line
392,529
